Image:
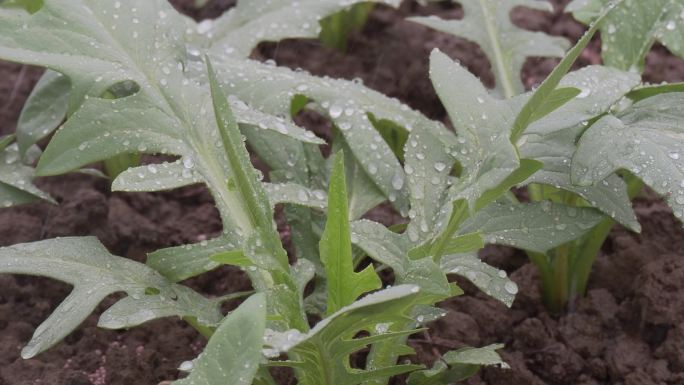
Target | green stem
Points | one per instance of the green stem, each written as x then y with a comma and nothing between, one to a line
566,272
206,331
561,274
590,245
541,261
535,192
587,251
120,163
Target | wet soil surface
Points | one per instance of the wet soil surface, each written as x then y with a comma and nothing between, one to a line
629,330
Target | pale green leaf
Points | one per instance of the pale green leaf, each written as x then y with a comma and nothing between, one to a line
429,161
16,179
233,353
263,247
183,262
382,245
295,194
556,151
247,116
156,177
601,88
552,139
303,272
240,29
490,280
427,275
271,89
488,23
466,243
458,365
530,112
647,139
483,122
537,226
101,44
95,274
170,114
185,302
167,176
629,32
44,111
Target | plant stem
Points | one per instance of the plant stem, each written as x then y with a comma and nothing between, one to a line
566,269
120,163
203,330
590,245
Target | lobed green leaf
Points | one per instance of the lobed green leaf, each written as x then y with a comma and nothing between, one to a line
645,139
95,274
344,285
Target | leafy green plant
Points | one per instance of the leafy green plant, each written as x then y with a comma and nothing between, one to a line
629,32
584,98
174,111
234,34
488,23
198,98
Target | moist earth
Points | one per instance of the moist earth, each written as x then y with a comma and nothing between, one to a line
628,330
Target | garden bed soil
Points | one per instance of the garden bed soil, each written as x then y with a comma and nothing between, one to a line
629,330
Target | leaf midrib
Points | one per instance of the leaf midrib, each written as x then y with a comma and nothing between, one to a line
493,33
213,174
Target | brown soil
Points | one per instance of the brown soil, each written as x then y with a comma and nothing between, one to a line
629,329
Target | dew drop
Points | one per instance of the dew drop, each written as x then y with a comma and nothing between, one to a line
186,366
188,162
511,287
585,92
397,181
372,169
335,111
205,26
381,328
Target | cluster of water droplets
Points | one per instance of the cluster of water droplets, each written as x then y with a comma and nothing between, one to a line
490,280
